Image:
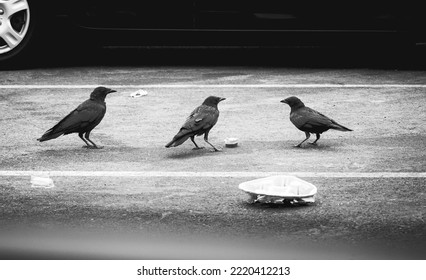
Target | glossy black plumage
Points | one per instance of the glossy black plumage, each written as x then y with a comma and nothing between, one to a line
309,120
199,122
83,119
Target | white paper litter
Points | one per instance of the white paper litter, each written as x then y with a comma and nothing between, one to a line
41,182
280,189
139,93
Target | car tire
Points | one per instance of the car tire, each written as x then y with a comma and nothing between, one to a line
18,26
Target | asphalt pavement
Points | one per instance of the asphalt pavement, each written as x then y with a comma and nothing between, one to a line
137,199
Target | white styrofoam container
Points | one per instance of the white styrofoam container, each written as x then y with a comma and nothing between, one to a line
276,189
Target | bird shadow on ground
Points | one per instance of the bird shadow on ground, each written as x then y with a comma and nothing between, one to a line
190,153
326,145
314,147
77,150
291,145
80,151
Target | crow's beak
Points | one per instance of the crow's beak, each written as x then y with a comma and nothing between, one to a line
111,91
222,98
284,101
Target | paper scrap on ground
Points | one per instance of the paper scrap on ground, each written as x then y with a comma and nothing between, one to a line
41,182
139,93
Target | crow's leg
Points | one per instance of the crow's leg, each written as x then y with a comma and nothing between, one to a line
315,142
196,146
87,144
87,135
206,138
307,137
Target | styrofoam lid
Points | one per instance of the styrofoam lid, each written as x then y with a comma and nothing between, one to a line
282,186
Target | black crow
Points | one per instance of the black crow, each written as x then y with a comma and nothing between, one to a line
199,122
309,120
83,119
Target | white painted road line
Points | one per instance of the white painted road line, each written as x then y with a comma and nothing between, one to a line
184,174
183,86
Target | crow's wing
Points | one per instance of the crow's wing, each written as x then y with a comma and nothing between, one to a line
86,116
201,119
310,120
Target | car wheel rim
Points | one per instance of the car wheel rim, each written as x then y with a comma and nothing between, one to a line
14,23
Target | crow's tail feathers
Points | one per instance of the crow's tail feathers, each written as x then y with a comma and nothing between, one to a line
177,142
340,127
179,139
50,134
170,144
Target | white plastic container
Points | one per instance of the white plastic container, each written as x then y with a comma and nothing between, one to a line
231,142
